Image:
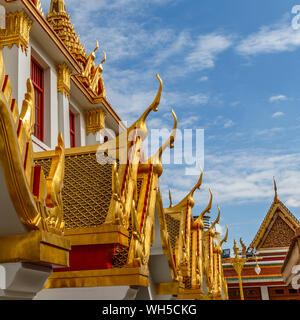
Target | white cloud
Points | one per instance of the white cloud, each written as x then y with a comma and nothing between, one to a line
277,114
239,177
199,98
206,50
228,124
269,132
203,79
279,97
235,103
269,39
220,229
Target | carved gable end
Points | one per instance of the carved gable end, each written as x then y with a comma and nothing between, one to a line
277,229
279,235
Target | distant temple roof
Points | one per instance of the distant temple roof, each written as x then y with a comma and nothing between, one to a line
277,228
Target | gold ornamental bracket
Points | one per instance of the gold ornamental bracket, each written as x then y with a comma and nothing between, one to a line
64,79
94,120
17,31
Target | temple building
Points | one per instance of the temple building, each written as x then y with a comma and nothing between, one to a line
271,243
81,212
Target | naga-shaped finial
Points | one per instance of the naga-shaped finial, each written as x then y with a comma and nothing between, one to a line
118,148
198,184
104,58
27,114
93,53
156,158
243,246
219,246
56,175
170,198
226,236
276,199
152,107
189,198
207,209
217,220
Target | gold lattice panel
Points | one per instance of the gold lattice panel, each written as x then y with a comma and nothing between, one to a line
173,226
86,192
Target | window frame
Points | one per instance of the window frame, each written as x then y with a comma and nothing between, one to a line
72,129
38,87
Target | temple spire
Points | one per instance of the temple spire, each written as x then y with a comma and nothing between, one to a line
276,199
57,6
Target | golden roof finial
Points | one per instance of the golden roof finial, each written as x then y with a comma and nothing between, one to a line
93,53
217,220
156,158
236,249
276,199
104,58
226,236
170,198
189,198
206,210
243,246
219,246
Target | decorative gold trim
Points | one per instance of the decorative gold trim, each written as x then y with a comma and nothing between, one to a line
39,7
166,288
17,31
99,278
35,247
94,120
105,234
64,79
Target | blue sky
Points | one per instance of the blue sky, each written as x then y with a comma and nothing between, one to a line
230,67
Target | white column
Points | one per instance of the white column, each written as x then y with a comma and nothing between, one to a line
22,280
51,127
64,118
17,66
264,293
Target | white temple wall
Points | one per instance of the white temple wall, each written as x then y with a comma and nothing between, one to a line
80,138
17,66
